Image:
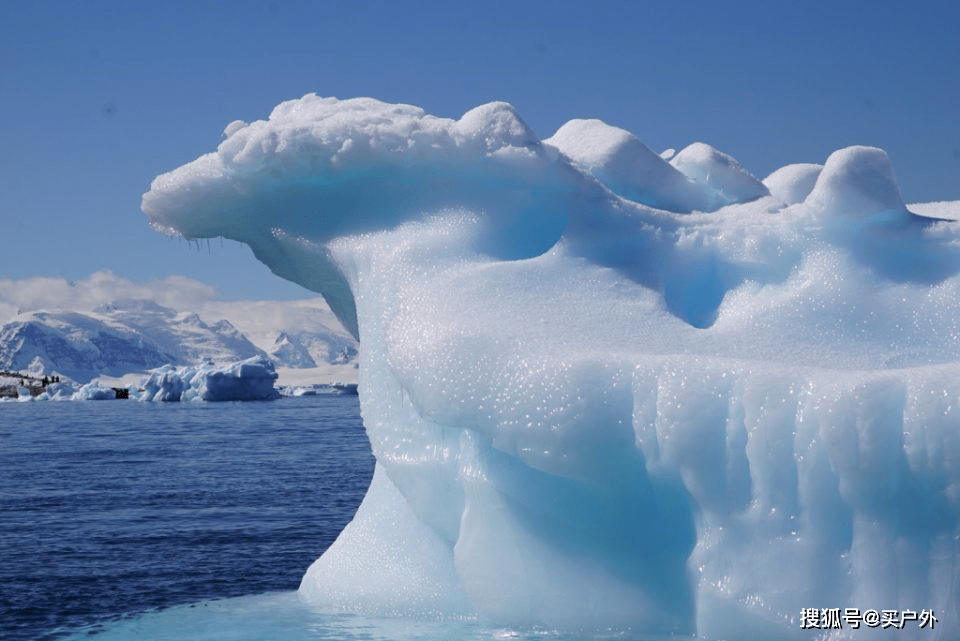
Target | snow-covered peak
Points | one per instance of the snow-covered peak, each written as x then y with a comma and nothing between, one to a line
290,352
75,345
134,307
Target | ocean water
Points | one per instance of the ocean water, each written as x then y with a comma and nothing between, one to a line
124,521
110,509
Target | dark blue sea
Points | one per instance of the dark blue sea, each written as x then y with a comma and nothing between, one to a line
129,521
113,508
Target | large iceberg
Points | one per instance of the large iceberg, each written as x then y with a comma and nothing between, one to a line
608,390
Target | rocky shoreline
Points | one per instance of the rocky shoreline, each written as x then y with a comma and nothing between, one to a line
32,383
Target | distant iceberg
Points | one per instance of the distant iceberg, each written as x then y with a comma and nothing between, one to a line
253,379
343,389
249,380
94,391
605,390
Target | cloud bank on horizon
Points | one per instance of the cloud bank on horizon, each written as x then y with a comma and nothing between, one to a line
100,288
606,387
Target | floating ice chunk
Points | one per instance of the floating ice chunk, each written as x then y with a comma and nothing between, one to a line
345,389
164,384
299,390
58,392
94,391
249,380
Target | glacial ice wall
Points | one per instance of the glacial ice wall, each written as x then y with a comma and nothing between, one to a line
607,390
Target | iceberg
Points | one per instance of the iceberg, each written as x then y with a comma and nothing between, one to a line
609,391
248,380
252,379
93,391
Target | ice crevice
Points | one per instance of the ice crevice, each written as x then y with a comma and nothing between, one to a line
608,390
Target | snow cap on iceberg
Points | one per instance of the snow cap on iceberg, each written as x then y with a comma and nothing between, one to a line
628,167
726,180
320,168
857,182
493,127
793,183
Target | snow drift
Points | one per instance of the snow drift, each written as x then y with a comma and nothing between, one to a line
605,390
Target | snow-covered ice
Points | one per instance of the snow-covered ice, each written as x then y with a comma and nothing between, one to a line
249,380
608,390
253,379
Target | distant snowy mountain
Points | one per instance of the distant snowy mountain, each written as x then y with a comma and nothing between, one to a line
291,352
133,336
75,345
307,349
300,334
182,334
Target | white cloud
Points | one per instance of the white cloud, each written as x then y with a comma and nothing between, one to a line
261,321
43,292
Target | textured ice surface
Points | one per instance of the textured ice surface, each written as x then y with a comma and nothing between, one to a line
597,401
249,380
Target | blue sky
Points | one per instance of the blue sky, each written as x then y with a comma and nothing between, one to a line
98,97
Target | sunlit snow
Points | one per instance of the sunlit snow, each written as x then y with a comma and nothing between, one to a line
609,390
